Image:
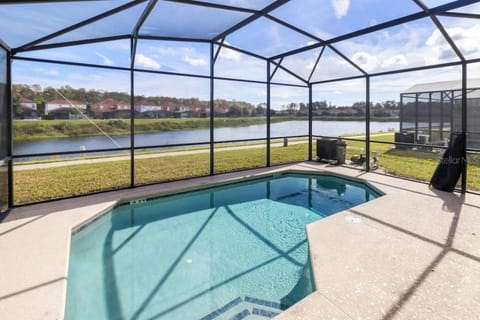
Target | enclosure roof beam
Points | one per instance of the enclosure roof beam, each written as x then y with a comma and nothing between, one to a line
440,28
5,46
292,27
315,65
41,1
252,18
120,37
447,37
289,71
301,31
76,42
214,5
347,59
151,4
164,38
460,15
387,73
248,53
409,18
217,53
79,25
275,70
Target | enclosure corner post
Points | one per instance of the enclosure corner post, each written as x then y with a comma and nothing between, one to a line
464,126
212,110
9,106
132,113
310,120
268,114
367,123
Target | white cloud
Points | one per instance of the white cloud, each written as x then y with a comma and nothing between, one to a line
144,61
466,38
105,60
195,61
47,72
230,54
398,60
341,7
365,60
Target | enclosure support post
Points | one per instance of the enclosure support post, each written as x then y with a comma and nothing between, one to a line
441,116
268,114
310,119
212,107
367,123
401,112
132,117
430,115
452,107
10,130
416,118
464,125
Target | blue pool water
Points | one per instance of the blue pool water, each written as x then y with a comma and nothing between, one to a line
237,251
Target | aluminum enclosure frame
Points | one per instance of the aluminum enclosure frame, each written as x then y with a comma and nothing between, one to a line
272,62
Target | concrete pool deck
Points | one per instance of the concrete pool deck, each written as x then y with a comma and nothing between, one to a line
411,254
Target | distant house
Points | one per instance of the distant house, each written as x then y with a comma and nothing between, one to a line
111,108
145,109
116,114
183,108
346,112
184,114
64,105
27,109
27,103
144,106
112,104
221,111
67,113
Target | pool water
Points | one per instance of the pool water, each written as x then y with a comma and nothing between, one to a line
237,251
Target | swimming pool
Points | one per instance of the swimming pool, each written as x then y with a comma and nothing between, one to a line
236,251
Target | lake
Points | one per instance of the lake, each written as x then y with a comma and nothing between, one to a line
280,129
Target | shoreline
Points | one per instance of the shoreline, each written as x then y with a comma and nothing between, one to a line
52,129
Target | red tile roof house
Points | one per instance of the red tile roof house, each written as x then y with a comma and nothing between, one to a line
27,103
109,105
64,104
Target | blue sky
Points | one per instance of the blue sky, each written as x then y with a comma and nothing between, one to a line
414,44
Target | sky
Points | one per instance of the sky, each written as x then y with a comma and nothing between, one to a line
417,43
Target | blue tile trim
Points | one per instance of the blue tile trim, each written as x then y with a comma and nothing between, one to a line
242,315
266,303
87,223
223,309
264,313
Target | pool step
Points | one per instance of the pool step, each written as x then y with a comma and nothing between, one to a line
246,308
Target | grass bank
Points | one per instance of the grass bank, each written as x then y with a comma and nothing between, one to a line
50,183
45,129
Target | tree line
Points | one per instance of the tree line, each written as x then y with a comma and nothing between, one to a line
233,108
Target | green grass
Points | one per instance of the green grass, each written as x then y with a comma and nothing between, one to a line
43,184
51,183
45,129
48,129
414,164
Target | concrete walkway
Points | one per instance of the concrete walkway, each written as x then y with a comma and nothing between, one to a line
412,254
65,163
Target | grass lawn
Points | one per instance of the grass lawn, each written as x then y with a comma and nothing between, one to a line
49,183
